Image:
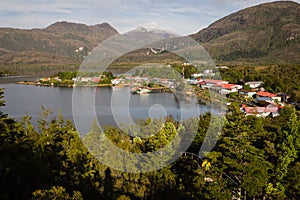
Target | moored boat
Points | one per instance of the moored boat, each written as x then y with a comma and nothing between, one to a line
139,90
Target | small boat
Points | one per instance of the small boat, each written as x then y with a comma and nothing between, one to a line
138,90
143,91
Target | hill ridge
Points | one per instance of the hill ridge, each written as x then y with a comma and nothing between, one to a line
265,33
54,44
262,32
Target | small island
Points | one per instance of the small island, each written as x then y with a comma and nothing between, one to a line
72,79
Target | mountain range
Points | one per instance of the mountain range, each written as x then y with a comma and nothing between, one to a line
56,44
268,33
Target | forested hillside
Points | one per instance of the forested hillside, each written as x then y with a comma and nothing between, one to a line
266,33
61,43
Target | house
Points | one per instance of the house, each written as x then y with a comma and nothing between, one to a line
196,81
115,81
247,93
254,84
229,88
275,97
44,79
57,79
266,94
284,97
262,111
85,79
264,99
211,83
196,75
95,79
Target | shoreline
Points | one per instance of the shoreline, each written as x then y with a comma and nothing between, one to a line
202,99
52,85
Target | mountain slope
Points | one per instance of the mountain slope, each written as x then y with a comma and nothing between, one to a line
268,32
52,45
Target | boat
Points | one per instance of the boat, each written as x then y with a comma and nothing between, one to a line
138,90
143,91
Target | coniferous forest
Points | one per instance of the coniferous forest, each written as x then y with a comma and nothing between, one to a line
254,158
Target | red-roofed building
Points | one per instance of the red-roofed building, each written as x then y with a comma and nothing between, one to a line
247,93
95,79
213,81
270,95
265,94
210,83
229,88
261,111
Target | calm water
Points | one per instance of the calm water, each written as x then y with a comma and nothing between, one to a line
112,106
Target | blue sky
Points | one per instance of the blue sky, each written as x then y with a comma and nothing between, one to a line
181,16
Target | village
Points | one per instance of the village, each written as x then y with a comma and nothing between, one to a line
251,96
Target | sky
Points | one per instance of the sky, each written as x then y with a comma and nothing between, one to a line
180,16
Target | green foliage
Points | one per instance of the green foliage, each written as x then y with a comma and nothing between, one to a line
253,158
276,78
151,85
241,159
254,35
2,103
186,70
292,181
246,87
21,163
236,55
66,75
289,149
157,72
56,192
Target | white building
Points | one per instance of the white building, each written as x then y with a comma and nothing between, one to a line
254,84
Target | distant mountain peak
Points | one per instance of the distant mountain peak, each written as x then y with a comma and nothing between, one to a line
161,33
102,26
65,26
141,29
64,23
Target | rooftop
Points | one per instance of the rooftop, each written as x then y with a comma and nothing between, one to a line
266,94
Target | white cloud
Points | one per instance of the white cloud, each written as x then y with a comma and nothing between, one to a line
179,15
